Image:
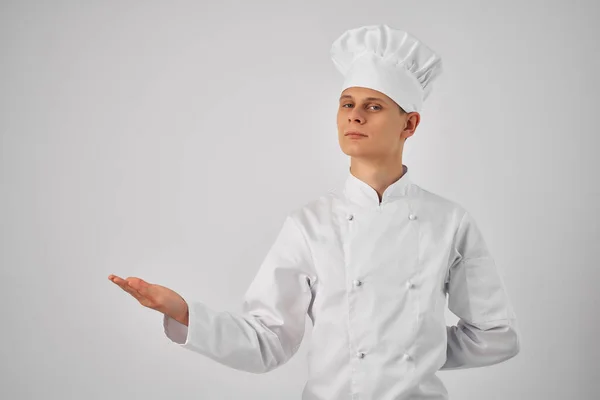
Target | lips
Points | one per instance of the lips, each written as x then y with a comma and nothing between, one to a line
355,133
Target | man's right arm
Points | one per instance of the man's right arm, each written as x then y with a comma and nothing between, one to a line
271,326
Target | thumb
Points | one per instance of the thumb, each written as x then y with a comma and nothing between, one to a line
150,291
140,285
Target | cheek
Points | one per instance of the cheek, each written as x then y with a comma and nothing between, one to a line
386,137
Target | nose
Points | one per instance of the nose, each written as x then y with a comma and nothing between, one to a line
355,115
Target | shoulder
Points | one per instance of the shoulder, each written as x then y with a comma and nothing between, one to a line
437,204
319,209
319,205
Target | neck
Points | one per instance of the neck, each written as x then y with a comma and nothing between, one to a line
378,175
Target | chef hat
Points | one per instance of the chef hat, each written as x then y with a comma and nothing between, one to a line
388,60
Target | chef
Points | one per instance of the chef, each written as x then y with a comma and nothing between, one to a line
373,261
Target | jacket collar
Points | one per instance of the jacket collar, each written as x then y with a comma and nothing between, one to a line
361,193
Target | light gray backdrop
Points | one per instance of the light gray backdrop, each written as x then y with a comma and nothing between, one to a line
168,140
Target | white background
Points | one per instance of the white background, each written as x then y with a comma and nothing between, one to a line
168,140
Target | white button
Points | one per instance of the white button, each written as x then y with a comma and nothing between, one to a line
350,217
356,282
412,216
410,285
406,356
360,354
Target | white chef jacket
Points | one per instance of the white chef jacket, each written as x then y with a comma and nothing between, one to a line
373,278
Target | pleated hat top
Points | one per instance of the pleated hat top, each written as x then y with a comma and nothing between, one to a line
388,60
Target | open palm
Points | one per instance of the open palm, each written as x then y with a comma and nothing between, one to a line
156,297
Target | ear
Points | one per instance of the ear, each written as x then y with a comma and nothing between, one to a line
406,134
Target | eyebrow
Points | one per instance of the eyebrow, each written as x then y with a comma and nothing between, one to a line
366,98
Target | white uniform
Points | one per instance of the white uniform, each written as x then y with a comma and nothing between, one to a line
373,278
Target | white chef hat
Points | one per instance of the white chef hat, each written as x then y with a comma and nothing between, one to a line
388,60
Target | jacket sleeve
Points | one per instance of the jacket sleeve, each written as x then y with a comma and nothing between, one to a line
486,332
270,328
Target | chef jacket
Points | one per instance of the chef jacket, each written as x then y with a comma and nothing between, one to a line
373,277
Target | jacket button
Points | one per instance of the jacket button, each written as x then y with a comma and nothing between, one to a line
410,285
412,216
350,217
356,282
406,356
360,354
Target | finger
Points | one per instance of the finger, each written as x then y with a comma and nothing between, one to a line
119,281
124,284
143,289
116,279
140,285
134,282
132,290
127,285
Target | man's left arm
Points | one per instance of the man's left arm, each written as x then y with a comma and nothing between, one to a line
486,332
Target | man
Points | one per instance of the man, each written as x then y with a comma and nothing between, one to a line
370,262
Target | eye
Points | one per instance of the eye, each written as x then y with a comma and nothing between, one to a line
373,105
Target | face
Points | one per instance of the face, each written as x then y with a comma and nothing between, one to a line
379,118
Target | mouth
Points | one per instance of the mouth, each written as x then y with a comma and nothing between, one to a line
355,134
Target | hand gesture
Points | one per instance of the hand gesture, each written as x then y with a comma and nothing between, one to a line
154,296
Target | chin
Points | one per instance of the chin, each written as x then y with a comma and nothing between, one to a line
354,152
